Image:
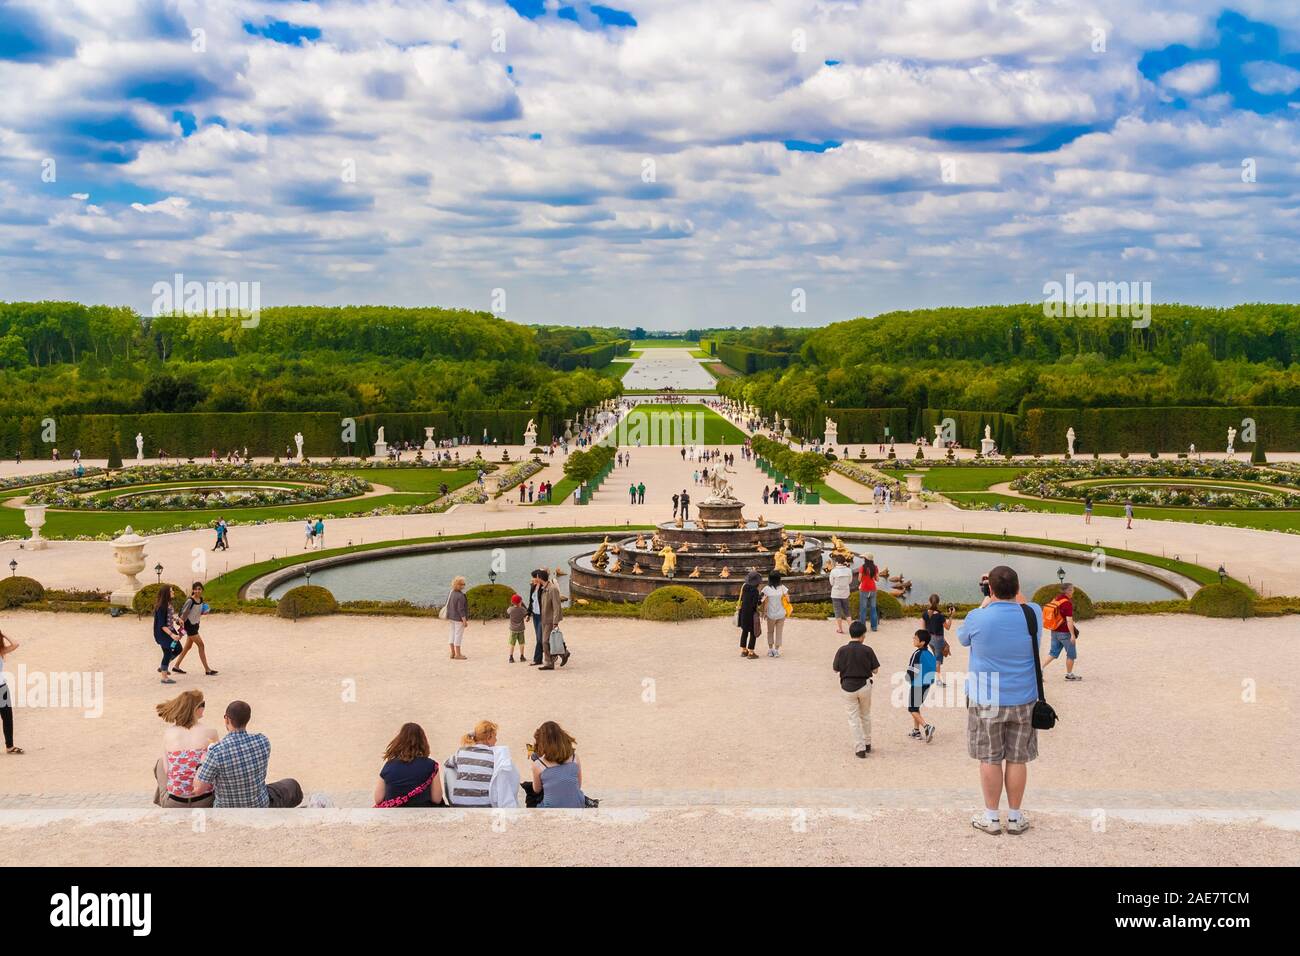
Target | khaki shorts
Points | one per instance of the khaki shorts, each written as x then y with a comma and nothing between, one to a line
995,734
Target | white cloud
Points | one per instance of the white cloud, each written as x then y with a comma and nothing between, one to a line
1193,79
1271,79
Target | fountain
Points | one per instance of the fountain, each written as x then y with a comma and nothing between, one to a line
711,553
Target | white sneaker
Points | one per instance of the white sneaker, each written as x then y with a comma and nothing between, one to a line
771,653
1018,826
776,653
982,822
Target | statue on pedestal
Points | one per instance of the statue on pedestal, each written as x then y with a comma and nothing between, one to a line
781,560
139,446
670,560
1069,442
297,440
1232,438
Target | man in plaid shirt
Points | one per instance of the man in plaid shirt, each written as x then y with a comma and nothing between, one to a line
235,767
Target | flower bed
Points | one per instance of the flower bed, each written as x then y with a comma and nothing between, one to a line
1058,483
518,473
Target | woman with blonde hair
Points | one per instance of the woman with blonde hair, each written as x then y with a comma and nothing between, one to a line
557,775
457,614
185,744
409,777
481,773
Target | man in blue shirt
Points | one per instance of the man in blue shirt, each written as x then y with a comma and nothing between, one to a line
1001,690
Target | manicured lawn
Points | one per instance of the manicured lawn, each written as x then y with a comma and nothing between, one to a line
1263,519
720,370
943,480
677,425
615,370
561,492
831,496
416,479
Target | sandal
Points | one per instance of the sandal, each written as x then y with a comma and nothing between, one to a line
177,670
211,673
166,680
15,750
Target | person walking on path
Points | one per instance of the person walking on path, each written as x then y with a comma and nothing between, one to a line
308,535
1001,691
7,647
677,502
221,536
191,614
776,608
534,610
920,674
686,506
457,614
640,493
936,625
164,631
318,533
856,663
1087,509
747,613
1128,514
1058,620
631,490
552,604
867,576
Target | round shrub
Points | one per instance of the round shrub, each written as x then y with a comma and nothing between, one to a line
488,601
16,591
147,596
888,607
1223,600
676,602
1083,609
306,600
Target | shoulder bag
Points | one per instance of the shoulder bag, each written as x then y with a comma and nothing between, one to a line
1044,717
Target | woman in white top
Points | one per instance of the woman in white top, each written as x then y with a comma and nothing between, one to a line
841,578
7,647
774,598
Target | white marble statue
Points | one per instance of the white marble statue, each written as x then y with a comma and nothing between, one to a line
381,436
1069,442
139,446
988,432
1232,438
297,440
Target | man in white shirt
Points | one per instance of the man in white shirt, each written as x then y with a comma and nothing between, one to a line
841,578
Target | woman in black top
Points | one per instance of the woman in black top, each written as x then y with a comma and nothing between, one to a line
750,594
164,631
936,624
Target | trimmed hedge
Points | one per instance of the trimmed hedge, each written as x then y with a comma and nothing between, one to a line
1223,600
17,591
306,600
1083,609
676,602
1167,429
589,356
147,596
864,426
488,602
888,607
748,361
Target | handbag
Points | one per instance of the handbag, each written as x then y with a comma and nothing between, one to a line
1044,717
442,611
557,642
406,797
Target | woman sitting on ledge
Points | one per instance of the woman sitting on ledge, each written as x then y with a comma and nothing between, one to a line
409,777
481,773
557,775
185,744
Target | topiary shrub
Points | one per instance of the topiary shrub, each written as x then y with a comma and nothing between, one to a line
488,601
888,607
1257,456
17,591
306,600
1083,609
676,602
114,455
1223,600
147,596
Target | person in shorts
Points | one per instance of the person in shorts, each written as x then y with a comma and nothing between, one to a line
937,624
517,615
921,674
1001,690
1065,636
841,580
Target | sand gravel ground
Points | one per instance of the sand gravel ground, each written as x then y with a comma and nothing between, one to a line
1178,747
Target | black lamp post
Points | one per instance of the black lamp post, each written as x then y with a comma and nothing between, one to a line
1060,575
307,574
1223,574
13,568
492,576
158,570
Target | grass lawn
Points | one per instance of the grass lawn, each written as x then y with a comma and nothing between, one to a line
421,488
944,480
721,370
831,496
677,425
615,370
563,489
1263,519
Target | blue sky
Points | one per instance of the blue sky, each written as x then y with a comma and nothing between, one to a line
663,163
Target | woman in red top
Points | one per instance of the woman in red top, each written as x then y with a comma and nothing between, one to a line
867,575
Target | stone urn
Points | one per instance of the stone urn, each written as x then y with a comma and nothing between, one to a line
914,502
128,559
34,516
429,446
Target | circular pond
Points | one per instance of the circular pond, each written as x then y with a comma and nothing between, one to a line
952,571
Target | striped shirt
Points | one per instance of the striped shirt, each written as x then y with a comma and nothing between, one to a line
473,765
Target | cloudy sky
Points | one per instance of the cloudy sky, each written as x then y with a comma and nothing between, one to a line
654,162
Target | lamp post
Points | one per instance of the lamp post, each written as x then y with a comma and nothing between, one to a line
13,568
158,570
492,576
307,574
1060,575
1223,574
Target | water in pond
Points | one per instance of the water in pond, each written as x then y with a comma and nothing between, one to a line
953,573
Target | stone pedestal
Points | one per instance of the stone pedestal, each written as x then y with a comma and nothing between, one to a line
530,438
914,502
34,516
128,559
988,447
832,438
381,449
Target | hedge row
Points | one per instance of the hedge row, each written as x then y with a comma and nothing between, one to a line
589,356
195,434
1164,429
748,361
